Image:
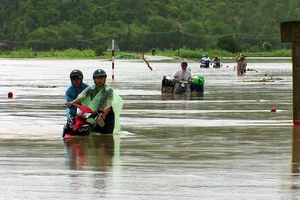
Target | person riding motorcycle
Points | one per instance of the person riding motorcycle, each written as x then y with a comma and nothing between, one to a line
100,96
77,86
182,76
204,61
153,52
216,61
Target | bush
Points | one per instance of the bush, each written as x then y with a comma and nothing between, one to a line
228,43
254,49
99,51
267,46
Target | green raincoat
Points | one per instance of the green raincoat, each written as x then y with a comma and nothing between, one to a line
102,98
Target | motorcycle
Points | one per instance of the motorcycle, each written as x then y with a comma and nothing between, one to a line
78,125
168,86
204,64
216,64
183,87
153,52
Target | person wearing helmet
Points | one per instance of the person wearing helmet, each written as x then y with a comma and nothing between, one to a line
76,87
101,97
216,62
182,75
153,52
204,61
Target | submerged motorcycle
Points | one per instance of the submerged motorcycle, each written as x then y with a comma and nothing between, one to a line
204,64
197,85
183,86
216,64
79,125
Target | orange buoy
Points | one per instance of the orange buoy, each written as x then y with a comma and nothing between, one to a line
10,95
273,110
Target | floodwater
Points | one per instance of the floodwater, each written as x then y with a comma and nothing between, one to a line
226,144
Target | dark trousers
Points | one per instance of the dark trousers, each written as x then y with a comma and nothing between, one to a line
108,128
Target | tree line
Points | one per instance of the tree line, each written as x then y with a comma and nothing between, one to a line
137,25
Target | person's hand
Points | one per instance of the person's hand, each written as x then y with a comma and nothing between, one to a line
69,104
174,80
102,116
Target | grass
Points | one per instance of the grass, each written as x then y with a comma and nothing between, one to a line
90,54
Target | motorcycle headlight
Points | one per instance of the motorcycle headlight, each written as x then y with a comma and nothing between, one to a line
78,112
86,115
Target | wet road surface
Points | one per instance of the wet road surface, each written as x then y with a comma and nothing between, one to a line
226,144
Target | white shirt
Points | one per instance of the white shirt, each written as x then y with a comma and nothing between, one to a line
180,75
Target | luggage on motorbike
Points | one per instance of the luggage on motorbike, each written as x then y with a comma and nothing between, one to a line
167,85
198,84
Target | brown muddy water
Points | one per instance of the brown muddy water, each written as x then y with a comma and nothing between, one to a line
226,144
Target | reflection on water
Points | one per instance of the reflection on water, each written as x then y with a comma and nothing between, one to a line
185,96
90,153
295,150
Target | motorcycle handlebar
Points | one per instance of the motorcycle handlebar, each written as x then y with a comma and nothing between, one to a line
96,113
74,105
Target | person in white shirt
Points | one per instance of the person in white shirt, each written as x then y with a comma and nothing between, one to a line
205,60
182,75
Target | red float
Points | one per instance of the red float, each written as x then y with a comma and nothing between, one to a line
10,95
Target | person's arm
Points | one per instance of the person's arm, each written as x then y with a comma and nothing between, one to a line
77,101
108,108
79,98
69,95
105,112
174,76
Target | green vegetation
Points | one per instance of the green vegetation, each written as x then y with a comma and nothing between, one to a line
137,26
92,54
66,54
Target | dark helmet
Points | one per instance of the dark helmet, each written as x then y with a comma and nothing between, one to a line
99,73
76,73
184,64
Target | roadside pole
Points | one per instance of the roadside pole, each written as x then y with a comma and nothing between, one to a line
290,34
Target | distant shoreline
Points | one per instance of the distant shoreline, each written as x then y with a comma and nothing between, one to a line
150,58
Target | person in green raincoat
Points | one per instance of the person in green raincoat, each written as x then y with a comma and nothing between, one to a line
100,96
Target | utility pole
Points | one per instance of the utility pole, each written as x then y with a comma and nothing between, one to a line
290,33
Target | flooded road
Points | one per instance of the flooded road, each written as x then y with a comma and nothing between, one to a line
226,144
